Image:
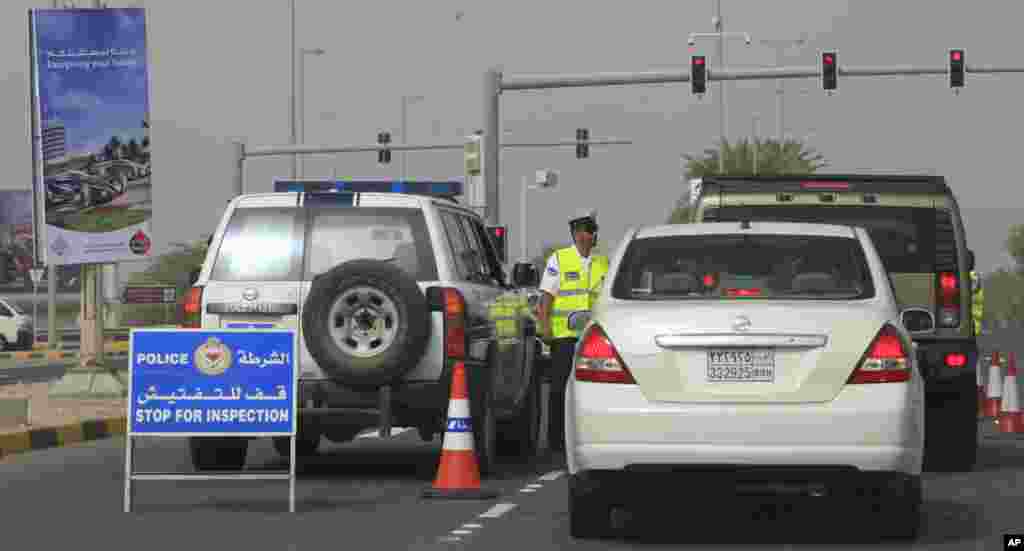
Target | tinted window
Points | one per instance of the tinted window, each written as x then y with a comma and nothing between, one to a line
904,236
479,243
461,251
338,235
730,267
261,244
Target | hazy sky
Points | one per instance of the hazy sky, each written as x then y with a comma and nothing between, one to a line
220,72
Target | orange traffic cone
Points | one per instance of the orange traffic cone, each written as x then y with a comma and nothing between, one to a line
458,476
994,390
980,377
1010,415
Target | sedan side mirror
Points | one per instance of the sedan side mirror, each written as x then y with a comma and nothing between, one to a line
525,274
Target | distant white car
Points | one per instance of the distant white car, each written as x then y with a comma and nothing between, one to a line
745,359
15,327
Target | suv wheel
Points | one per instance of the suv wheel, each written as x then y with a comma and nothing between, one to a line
306,444
519,437
218,454
366,323
483,418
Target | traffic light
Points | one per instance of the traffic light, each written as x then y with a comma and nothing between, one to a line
829,71
956,69
582,147
499,236
384,155
698,74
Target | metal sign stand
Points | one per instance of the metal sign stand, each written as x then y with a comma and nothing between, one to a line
131,475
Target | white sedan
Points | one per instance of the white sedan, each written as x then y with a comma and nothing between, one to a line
745,359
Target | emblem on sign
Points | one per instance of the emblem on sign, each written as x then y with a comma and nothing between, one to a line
741,323
212,357
250,294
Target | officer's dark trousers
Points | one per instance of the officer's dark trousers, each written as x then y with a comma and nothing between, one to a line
561,368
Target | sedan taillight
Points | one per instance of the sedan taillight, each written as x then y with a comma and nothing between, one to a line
886,360
598,362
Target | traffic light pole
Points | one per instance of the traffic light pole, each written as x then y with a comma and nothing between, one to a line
529,82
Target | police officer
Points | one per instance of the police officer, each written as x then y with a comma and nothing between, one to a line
569,282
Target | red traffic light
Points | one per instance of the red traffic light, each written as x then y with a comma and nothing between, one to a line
698,61
956,55
499,232
827,59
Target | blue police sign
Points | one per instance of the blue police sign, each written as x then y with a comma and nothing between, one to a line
194,382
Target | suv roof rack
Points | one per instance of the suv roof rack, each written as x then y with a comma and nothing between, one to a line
869,183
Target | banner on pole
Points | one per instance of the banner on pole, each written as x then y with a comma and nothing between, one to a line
90,93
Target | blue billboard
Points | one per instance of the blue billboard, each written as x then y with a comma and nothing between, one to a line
90,83
190,382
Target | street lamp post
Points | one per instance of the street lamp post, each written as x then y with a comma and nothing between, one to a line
720,34
302,94
406,100
779,46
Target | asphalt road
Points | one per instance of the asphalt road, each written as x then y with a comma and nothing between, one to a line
366,495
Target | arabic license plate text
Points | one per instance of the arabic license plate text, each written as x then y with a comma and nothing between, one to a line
741,365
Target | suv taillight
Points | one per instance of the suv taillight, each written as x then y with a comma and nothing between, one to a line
454,323
598,362
192,308
948,300
885,362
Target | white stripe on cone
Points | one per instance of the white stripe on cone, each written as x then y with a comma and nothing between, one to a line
1010,407
994,390
458,441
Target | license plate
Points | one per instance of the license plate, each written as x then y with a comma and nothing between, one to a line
741,365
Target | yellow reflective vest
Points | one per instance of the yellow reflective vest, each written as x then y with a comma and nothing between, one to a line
577,288
506,313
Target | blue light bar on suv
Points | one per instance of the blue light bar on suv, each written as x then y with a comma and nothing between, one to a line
418,187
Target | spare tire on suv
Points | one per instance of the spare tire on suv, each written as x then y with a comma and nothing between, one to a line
366,323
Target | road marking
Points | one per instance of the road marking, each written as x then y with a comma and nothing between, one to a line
527,490
472,525
498,510
553,475
462,532
534,485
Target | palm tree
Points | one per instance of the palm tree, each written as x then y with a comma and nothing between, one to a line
745,158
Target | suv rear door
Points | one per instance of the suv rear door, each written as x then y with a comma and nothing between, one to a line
338,232
254,279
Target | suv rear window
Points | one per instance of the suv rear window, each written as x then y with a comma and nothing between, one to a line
905,237
338,235
261,244
742,266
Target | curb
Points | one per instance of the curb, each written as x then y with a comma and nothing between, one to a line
74,433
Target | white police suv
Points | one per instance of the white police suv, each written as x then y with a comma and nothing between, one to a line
388,285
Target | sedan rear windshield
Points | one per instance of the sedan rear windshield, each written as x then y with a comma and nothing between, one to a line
741,267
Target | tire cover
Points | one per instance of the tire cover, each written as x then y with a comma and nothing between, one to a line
412,330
